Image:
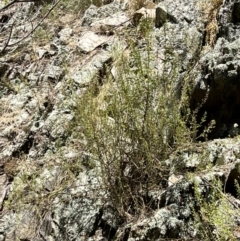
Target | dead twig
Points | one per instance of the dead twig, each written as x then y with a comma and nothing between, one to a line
9,37
13,2
31,32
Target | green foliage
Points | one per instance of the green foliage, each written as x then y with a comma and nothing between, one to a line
215,217
145,27
130,124
41,35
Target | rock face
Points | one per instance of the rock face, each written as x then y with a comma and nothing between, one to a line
52,190
221,74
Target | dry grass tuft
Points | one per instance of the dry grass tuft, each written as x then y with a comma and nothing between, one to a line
210,9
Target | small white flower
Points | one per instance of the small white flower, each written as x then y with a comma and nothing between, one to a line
235,125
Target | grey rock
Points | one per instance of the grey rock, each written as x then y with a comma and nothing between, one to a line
50,179
24,224
65,34
178,11
115,19
89,41
84,75
161,222
89,14
167,221
85,221
41,52
93,13
53,72
218,152
228,20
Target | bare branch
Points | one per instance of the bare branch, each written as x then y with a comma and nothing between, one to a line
38,24
9,37
13,2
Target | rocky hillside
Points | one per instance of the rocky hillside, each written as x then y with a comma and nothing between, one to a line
119,120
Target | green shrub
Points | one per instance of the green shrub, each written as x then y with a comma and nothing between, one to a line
130,124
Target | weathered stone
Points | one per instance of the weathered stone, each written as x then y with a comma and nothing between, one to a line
218,152
65,34
89,41
83,76
228,27
44,52
173,179
157,226
53,72
93,13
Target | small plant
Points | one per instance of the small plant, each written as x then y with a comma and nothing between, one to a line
215,217
145,27
41,35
